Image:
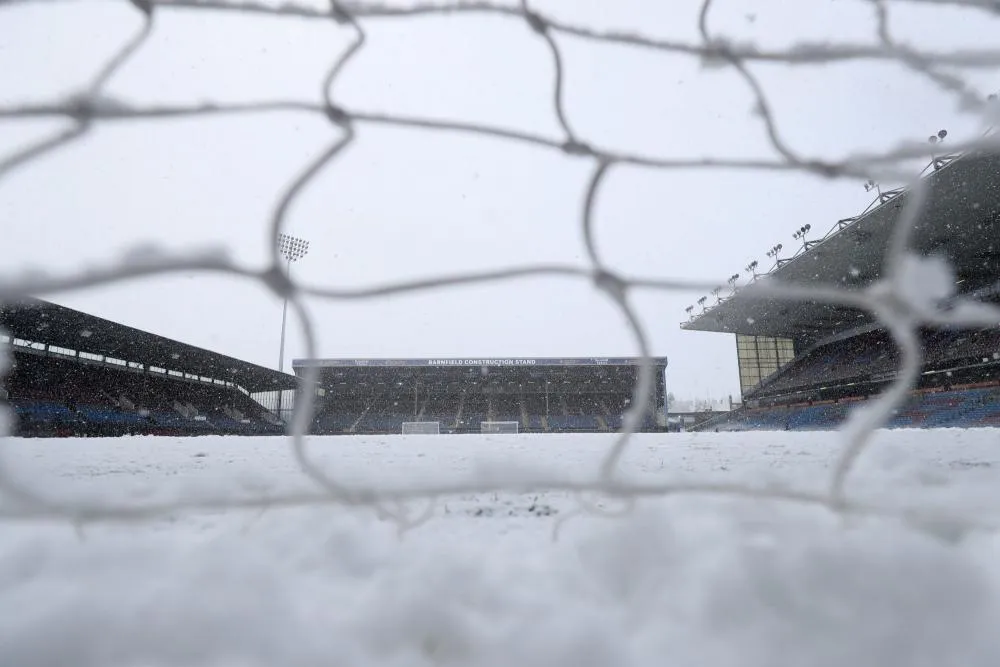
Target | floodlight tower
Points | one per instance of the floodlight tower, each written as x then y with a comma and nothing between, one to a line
936,139
292,249
773,254
801,234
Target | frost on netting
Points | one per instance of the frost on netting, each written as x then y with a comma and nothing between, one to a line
924,290
922,285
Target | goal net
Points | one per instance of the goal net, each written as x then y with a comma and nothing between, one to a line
426,428
498,427
606,168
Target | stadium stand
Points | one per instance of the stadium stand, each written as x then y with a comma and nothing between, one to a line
965,407
78,375
805,365
540,395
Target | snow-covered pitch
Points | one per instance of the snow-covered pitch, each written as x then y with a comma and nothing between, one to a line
680,581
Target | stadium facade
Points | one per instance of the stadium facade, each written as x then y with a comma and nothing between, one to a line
479,394
805,364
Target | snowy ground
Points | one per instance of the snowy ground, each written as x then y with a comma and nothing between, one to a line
683,581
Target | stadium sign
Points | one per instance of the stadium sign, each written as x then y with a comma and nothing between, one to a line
473,362
482,362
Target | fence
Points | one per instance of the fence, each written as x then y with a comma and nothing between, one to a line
899,308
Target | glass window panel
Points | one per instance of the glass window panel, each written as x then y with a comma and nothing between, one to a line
760,356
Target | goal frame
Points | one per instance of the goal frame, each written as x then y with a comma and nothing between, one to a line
421,428
500,427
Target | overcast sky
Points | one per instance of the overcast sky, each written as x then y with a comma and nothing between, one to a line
409,203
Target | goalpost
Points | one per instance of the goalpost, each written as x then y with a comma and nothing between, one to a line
498,427
426,428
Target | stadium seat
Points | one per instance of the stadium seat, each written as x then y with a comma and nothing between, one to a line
964,408
90,400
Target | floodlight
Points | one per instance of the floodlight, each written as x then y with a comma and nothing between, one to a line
292,248
801,233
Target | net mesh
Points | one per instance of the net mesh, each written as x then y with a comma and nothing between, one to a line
897,307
